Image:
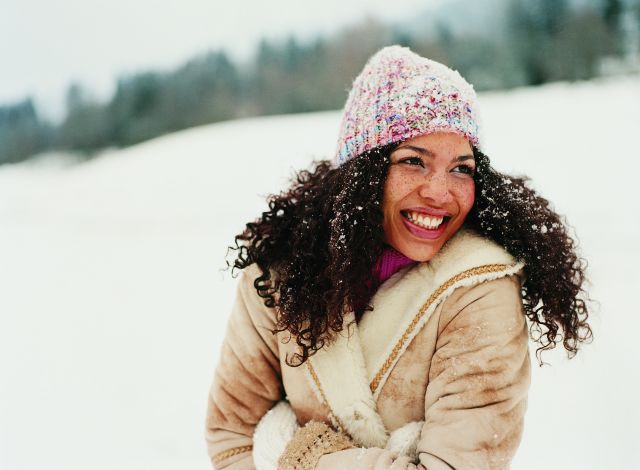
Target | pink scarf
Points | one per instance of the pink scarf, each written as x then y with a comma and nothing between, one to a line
389,263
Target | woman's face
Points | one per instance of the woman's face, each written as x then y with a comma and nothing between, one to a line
428,193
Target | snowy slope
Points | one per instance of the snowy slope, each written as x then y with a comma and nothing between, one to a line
113,305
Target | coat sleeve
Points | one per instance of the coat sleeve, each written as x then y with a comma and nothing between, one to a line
247,380
476,398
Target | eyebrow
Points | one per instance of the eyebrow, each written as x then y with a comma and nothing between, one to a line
429,153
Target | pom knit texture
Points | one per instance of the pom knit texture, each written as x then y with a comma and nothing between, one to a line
400,95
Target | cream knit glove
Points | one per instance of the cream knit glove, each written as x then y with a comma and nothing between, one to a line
278,437
309,444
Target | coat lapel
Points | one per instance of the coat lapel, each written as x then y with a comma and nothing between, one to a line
339,374
349,373
394,307
404,304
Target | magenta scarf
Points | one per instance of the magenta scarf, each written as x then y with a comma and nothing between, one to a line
389,263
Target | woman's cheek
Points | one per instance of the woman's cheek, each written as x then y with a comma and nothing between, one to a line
468,196
397,187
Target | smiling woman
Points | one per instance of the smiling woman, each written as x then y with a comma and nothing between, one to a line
404,271
428,193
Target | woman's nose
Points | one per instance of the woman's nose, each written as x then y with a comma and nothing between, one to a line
435,188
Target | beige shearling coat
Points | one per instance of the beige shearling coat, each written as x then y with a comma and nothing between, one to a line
446,343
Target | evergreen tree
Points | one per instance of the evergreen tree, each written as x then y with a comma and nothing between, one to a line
22,132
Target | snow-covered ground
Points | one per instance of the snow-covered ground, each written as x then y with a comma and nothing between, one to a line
113,305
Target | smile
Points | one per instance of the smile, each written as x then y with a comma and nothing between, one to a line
424,226
423,220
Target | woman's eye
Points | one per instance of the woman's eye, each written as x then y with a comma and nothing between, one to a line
412,161
469,170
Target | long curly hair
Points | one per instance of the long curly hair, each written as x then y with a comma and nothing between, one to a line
318,241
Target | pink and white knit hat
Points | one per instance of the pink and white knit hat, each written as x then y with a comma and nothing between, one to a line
400,95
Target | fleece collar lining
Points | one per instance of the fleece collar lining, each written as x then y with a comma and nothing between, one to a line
349,373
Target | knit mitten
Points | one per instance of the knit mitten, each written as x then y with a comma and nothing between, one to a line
309,444
276,428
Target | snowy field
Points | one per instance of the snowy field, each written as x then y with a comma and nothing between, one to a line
113,305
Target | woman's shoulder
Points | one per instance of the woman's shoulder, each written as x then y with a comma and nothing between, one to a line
500,299
249,300
483,281
471,253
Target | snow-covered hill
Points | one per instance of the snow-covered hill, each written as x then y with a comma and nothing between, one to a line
113,306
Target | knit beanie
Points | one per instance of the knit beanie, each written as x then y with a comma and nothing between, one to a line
400,95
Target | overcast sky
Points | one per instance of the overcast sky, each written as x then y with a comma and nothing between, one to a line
45,45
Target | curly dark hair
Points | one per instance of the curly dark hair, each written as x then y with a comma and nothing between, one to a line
318,241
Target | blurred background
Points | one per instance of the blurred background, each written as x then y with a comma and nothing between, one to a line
81,77
137,138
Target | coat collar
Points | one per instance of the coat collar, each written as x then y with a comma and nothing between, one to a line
349,373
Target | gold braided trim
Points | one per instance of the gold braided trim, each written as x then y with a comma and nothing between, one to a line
225,454
314,376
487,268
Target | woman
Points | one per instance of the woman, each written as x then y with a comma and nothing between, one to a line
381,311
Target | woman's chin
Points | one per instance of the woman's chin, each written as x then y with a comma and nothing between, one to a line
422,251
421,246
417,249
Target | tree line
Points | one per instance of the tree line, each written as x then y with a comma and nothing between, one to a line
538,41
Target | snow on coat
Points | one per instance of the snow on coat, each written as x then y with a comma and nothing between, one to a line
445,344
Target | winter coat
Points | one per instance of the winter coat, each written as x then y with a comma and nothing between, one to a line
445,349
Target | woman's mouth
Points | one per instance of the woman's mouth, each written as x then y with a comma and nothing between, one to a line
423,225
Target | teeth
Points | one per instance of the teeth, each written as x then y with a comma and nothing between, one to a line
424,220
